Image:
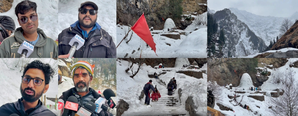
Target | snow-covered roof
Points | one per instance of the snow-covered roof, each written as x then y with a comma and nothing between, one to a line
169,24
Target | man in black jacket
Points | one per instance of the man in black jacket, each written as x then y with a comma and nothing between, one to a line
82,73
146,90
35,82
98,43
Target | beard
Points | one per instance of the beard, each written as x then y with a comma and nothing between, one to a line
30,98
81,21
84,88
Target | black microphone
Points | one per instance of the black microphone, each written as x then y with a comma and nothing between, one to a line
70,106
108,93
87,109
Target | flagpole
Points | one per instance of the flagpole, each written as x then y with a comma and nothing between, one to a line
123,38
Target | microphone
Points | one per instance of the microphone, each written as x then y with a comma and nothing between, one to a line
14,114
111,103
98,103
70,106
76,43
60,106
108,93
86,109
25,49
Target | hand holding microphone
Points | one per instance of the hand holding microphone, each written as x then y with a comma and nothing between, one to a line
25,49
76,43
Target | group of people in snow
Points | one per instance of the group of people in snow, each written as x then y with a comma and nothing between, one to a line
155,94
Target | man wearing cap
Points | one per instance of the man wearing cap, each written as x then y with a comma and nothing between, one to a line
44,47
7,26
35,82
82,74
98,43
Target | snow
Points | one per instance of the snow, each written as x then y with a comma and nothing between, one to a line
47,16
192,44
258,107
245,81
283,50
169,24
190,87
10,78
106,16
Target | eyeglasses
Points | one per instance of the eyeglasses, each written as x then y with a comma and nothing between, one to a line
37,81
91,11
24,19
83,75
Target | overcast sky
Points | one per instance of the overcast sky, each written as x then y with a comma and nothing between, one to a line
277,8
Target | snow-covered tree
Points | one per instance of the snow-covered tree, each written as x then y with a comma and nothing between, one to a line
285,26
287,104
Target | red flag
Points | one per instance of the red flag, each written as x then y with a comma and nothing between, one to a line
142,30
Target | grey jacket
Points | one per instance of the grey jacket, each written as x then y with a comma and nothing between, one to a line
18,108
44,48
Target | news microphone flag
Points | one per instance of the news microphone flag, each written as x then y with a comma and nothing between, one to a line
142,30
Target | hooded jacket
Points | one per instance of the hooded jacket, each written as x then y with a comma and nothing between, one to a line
91,96
18,108
98,44
44,48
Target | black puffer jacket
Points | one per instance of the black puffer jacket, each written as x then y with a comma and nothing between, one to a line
18,108
98,44
91,96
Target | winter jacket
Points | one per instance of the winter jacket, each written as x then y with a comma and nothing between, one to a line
18,108
92,96
98,44
3,33
147,87
44,48
155,95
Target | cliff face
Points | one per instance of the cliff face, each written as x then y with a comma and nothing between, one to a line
156,11
229,70
289,39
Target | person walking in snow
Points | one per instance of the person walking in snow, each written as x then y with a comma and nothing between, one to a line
44,47
35,82
155,95
98,42
148,86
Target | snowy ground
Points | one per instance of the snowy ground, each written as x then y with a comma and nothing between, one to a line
190,87
257,107
47,11
283,50
10,78
106,16
191,45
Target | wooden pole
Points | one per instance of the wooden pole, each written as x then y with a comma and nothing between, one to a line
123,38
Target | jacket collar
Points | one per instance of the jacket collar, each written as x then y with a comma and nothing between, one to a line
20,38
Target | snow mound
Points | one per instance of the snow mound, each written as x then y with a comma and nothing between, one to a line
169,24
246,81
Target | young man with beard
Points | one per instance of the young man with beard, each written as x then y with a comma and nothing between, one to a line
44,47
35,82
83,73
98,43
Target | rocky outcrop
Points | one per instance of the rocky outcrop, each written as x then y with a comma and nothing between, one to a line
257,97
222,107
122,107
229,70
240,40
198,75
155,11
200,61
289,39
190,106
